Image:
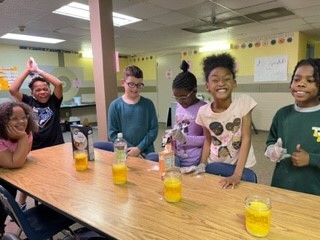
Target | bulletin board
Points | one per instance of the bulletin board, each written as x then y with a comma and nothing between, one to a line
271,68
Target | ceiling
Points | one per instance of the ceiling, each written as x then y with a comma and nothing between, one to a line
167,26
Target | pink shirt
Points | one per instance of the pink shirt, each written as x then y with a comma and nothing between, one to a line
11,146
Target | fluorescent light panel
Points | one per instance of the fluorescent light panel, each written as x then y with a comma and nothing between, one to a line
78,10
31,38
215,46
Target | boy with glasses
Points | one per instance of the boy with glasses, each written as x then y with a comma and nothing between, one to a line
133,115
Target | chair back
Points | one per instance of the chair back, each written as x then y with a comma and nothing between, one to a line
15,212
153,156
10,236
226,169
104,145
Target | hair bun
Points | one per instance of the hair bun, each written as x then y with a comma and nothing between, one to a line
184,66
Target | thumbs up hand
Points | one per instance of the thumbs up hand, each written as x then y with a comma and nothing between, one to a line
300,157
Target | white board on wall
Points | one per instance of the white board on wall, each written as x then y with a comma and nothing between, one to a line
271,68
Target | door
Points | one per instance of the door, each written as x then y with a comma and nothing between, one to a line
167,69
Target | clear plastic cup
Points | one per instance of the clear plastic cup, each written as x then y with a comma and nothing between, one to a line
80,159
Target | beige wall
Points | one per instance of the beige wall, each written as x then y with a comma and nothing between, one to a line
270,96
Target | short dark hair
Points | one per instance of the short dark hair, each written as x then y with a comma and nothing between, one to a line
315,64
6,110
133,71
224,60
185,80
35,79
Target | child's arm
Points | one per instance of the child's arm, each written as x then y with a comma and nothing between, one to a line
17,158
58,91
16,85
234,179
205,152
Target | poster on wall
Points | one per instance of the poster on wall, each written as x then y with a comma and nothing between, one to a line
7,76
271,68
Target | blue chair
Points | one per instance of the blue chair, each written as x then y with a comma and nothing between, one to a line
225,170
153,156
10,236
108,146
39,222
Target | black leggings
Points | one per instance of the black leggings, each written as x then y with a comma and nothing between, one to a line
3,214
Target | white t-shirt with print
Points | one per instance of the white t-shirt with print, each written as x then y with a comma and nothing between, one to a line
225,130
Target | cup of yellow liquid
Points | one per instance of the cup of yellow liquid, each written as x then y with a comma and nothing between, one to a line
257,215
119,173
80,159
172,186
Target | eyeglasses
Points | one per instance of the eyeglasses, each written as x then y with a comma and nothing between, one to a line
133,85
22,119
183,98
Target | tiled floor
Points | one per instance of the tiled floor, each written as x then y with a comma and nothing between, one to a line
263,168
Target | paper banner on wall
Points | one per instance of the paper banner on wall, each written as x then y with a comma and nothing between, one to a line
7,76
271,68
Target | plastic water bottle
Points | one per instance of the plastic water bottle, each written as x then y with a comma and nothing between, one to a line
120,149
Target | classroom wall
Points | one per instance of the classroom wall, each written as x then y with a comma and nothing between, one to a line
270,96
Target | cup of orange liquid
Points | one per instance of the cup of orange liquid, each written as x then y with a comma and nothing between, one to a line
80,159
172,186
257,215
119,173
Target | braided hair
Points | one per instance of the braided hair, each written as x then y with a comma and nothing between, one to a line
185,80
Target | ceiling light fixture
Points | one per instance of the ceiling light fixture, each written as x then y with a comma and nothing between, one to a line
30,38
79,10
215,46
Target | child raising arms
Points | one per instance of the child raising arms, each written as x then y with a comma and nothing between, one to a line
294,137
17,126
227,123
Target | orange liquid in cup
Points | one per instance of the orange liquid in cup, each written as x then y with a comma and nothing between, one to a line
172,189
258,218
119,173
80,160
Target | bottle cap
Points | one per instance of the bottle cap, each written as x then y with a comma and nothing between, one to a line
120,135
168,147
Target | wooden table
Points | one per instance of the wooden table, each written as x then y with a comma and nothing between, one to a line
137,210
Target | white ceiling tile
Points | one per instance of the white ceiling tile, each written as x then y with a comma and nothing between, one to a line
296,4
149,10
307,12
144,26
171,19
176,4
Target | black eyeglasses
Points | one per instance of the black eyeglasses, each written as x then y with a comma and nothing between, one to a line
183,98
133,85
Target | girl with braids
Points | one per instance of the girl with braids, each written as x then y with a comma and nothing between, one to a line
227,147
17,125
294,137
187,135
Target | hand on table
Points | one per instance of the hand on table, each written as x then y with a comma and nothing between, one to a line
201,168
232,181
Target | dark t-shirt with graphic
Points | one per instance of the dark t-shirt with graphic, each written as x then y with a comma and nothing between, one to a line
48,119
